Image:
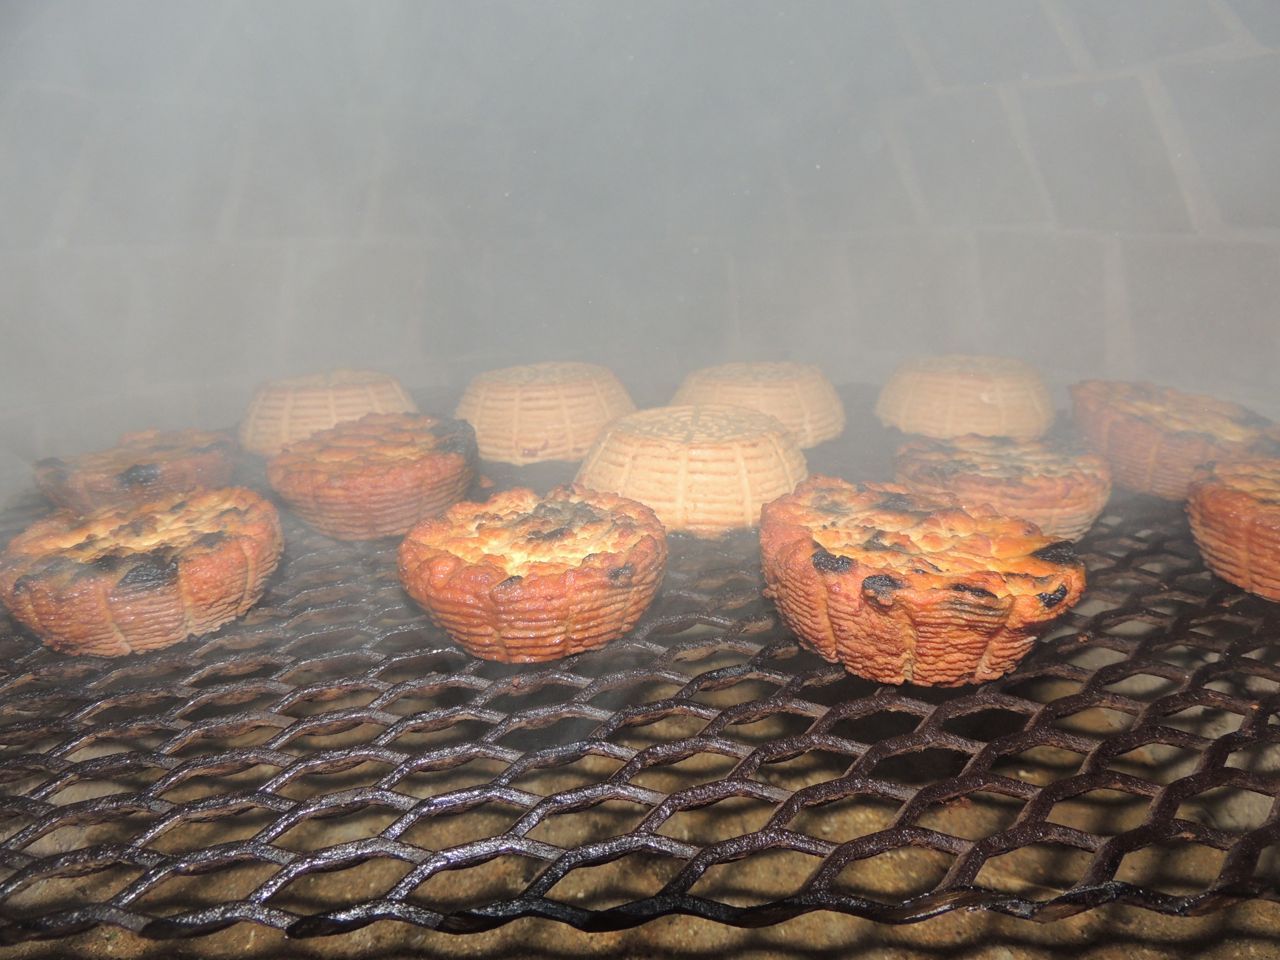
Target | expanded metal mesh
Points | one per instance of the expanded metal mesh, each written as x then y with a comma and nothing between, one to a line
332,759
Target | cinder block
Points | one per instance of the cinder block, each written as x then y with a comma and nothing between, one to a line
843,177
1043,300
380,305
71,331
795,300
1260,17
1102,157
1204,313
157,174
987,41
129,48
912,294
42,136
1228,112
309,175
211,313
1131,32
969,167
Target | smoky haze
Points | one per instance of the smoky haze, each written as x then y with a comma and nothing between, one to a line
196,196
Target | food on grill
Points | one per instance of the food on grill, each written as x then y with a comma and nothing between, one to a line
952,395
522,578
141,467
129,579
1155,437
902,587
796,393
1059,489
542,411
376,476
284,411
1234,510
703,469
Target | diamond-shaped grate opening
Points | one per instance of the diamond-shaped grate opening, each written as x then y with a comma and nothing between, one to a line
332,760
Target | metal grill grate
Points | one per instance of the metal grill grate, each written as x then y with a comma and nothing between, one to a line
332,760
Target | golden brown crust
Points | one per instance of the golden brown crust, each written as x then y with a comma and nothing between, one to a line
1234,509
907,588
523,578
286,411
1156,437
797,394
1060,490
955,394
130,579
542,411
703,469
376,476
143,466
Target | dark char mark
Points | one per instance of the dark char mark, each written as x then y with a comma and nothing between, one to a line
895,501
543,535
619,574
140,475
826,562
1051,600
974,591
151,571
510,580
1063,553
882,583
456,436
53,465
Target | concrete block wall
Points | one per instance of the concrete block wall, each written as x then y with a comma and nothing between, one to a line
196,195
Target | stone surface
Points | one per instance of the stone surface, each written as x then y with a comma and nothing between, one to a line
157,173
1184,297
968,166
1043,300
368,305
795,302
112,49
912,293
970,42
307,175
1260,17
42,139
1138,31
842,177
216,313
1228,111
71,328
1102,157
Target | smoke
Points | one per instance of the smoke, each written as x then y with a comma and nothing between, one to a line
201,195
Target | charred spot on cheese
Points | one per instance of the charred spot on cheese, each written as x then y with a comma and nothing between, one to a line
510,581
179,506
1063,553
455,436
105,563
53,466
823,504
619,574
881,584
141,475
970,589
898,502
211,539
150,571
1051,600
541,536
874,542
827,562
